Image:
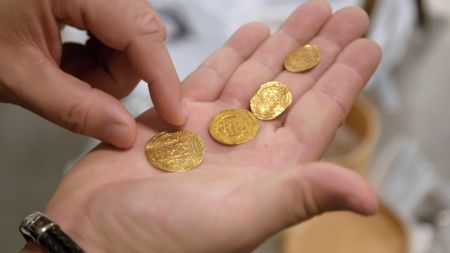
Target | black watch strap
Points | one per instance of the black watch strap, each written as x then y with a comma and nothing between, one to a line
40,229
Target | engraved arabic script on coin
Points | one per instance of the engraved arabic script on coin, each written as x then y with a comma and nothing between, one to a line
234,126
271,100
303,58
175,151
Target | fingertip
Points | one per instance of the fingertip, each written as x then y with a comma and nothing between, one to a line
370,205
179,119
174,115
309,18
259,26
323,5
169,104
248,36
355,14
366,205
346,25
363,55
375,48
338,188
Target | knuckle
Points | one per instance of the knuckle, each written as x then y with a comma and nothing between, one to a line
76,117
328,96
310,206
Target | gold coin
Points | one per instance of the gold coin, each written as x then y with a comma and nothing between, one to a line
303,58
175,151
270,100
233,126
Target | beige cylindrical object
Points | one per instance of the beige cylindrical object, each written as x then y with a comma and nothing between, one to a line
345,232
362,123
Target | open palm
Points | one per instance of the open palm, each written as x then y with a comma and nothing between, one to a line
114,201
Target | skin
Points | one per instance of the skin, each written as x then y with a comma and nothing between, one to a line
78,86
114,201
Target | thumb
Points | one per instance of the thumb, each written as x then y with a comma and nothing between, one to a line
296,195
73,104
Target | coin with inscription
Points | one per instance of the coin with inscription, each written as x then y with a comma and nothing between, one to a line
271,100
175,151
234,126
303,58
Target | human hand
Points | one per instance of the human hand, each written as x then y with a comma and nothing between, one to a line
114,201
83,94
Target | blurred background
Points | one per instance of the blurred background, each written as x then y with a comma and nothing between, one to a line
397,135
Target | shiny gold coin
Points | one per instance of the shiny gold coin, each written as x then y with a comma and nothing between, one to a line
233,126
175,151
271,100
303,58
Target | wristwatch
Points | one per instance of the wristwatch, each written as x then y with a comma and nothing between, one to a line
39,228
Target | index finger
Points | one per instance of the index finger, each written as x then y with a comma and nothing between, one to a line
151,59
132,26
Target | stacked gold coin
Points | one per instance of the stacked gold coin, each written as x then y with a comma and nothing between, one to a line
176,151
303,58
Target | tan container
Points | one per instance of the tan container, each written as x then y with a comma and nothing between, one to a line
355,142
345,232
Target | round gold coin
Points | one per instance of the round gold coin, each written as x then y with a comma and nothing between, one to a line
233,126
303,58
175,151
271,100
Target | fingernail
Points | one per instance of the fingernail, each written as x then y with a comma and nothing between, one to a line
117,135
184,110
151,26
181,119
